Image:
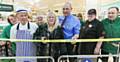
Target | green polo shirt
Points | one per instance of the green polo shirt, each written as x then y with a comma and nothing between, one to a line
6,32
112,30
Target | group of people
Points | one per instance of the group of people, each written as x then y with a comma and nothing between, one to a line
62,27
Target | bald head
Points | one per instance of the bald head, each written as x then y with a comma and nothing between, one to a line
68,4
67,8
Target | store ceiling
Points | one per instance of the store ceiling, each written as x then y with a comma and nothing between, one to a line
45,5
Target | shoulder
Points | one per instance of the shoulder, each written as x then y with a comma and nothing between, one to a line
32,24
43,26
60,17
14,26
118,18
75,19
98,21
59,27
7,27
105,20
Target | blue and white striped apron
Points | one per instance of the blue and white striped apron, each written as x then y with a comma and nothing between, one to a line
25,48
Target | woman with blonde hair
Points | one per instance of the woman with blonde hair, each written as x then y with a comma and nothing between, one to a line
50,30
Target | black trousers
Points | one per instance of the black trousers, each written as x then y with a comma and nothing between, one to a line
86,48
71,50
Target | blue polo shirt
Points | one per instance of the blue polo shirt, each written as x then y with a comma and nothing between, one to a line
71,26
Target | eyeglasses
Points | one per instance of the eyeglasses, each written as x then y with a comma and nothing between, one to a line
90,15
65,8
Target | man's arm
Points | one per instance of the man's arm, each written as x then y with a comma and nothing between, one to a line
98,46
77,28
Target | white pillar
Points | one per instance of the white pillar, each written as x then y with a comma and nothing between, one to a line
91,4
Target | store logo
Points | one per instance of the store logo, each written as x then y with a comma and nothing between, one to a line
6,7
87,60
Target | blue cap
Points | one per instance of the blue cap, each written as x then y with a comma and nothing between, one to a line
21,10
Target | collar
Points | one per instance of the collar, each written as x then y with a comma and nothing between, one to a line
27,24
91,21
115,20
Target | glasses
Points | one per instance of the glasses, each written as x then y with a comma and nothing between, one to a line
65,8
90,15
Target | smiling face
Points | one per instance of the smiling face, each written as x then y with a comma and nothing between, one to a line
22,17
112,13
12,20
51,19
92,14
39,20
91,17
67,9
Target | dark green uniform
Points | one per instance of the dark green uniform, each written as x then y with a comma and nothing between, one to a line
112,30
82,23
6,32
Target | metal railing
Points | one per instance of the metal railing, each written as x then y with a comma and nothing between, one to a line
30,57
64,56
86,56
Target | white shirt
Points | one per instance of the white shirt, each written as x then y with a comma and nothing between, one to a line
33,27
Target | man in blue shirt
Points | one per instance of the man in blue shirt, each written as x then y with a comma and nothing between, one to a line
71,27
